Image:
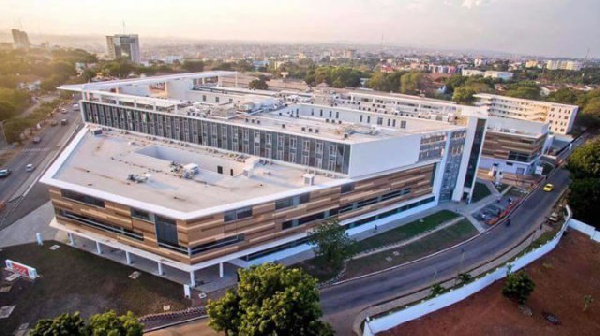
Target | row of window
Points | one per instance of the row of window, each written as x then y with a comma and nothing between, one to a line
82,198
100,225
344,208
351,225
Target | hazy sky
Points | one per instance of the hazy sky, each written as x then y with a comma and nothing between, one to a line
545,27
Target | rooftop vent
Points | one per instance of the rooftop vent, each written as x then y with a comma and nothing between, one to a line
309,179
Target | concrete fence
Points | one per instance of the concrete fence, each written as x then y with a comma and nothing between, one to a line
374,326
586,229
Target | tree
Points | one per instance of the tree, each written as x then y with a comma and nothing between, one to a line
592,109
107,324
331,242
585,160
258,84
409,83
564,96
65,324
271,300
587,301
7,110
465,278
192,66
518,286
464,94
584,198
225,314
436,290
110,324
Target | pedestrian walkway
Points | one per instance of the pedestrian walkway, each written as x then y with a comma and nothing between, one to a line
24,230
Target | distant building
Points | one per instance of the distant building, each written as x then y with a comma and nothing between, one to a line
123,46
564,65
505,76
350,53
560,117
21,39
532,64
480,62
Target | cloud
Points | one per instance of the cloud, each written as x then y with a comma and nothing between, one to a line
472,3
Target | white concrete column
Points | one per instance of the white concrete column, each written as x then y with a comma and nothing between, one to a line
128,257
71,239
192,279
160,270
98,248
221,270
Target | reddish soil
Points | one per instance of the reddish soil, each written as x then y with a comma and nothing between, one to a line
563,277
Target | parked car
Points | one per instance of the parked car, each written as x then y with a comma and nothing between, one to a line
29,168
36,140
63,121
64,111
549,187
53,123
5,172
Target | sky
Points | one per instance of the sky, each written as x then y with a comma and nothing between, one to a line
554,28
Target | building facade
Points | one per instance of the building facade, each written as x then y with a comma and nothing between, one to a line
20,39
560,117
123,46
187,176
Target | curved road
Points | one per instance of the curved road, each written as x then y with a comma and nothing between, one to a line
341,303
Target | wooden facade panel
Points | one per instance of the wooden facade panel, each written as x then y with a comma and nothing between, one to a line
266,222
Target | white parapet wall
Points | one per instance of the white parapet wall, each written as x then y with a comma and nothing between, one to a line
585,228
374,326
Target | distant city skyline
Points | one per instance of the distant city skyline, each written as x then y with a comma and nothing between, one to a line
553,28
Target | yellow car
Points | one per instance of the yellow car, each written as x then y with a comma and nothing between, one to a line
549,187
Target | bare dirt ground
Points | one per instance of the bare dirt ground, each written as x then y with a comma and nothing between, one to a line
563,277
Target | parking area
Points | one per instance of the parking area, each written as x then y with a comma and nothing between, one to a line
494,210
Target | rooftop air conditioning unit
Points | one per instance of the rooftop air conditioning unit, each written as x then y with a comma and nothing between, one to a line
309,179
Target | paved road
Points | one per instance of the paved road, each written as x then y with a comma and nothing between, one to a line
13,186
341,303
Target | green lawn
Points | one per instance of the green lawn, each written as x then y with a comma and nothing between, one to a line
406,231
319,269
74,280
481,191
430,244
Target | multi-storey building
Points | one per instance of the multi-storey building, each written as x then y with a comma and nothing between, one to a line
123,46
20,38
502,75
564,65
513,146
560,117
189,175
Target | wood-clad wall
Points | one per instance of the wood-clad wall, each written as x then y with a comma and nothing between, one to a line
264,226
499,145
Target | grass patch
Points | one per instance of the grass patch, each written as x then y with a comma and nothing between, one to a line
480,192
75,280
318,268
432,243
406,231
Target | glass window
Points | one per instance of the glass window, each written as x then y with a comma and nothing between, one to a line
140,214
238,214
81,198
348,187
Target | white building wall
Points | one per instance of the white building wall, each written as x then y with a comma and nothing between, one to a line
375,156
135,90
177,89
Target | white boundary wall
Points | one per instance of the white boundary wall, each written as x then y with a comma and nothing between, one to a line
375,326
585,228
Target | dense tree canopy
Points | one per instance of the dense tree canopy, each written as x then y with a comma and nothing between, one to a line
332,243
258,84
107,324
584,196
271,300
518,286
